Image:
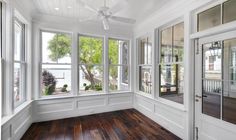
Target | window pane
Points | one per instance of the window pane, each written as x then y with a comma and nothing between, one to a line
145,81
209,18
166,45
18,43
90,78
118,51
178,46
90,50
18,84
118,78
229,89
172,82
56,79
56,48
229,11
212,75
145,51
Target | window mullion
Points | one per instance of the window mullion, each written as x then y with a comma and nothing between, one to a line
106,64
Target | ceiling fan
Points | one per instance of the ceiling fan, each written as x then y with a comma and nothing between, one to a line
105,13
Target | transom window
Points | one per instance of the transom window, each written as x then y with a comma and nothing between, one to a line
220,14
171,68
56,63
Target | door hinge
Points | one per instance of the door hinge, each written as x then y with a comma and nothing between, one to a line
196,134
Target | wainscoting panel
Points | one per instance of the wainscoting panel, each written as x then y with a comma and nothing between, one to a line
15,128
52,109
168,117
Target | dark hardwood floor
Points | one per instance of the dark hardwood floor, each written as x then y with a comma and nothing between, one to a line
118,125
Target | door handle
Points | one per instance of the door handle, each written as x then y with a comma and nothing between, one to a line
197,96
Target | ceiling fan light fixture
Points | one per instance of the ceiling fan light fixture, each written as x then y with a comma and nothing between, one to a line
105,24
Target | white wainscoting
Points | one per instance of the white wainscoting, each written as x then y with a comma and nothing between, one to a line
168,117
15,128
52,109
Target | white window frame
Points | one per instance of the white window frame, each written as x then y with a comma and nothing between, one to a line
149,66
168,25
22,62
120,64
42,63
104,80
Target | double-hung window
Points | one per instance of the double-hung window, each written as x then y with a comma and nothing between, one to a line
118,65
145,64
171,68
19,63
55,63
90,58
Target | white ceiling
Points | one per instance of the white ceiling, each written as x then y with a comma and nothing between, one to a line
136,9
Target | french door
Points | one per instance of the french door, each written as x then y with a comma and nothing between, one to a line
215,87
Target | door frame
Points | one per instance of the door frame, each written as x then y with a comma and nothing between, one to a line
199,117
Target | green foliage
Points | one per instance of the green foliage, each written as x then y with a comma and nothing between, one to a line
49,82
64,88
59,46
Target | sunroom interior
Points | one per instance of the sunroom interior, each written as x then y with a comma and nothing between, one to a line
118,69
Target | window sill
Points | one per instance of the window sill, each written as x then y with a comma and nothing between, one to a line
21,107
82,95
169,103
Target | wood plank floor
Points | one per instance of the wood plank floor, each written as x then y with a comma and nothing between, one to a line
119,125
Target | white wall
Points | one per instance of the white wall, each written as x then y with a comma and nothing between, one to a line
174,117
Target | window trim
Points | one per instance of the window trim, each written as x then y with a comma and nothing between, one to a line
150,66
158,63
22,62
102,64
46,63
120,65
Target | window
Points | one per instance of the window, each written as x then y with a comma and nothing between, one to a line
19,63
229,11
56,63
209,18
171,70
145,64
118,65
90,64
222,13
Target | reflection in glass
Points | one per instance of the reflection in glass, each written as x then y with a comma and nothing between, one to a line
172,82
118,74
56,79
178,46
166,45
90,78
212,83
229,90
209,18
118,51
145,81
145,51
229,12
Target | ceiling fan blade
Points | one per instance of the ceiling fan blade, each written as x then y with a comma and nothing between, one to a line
85,5
122,19
119,6
105,23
